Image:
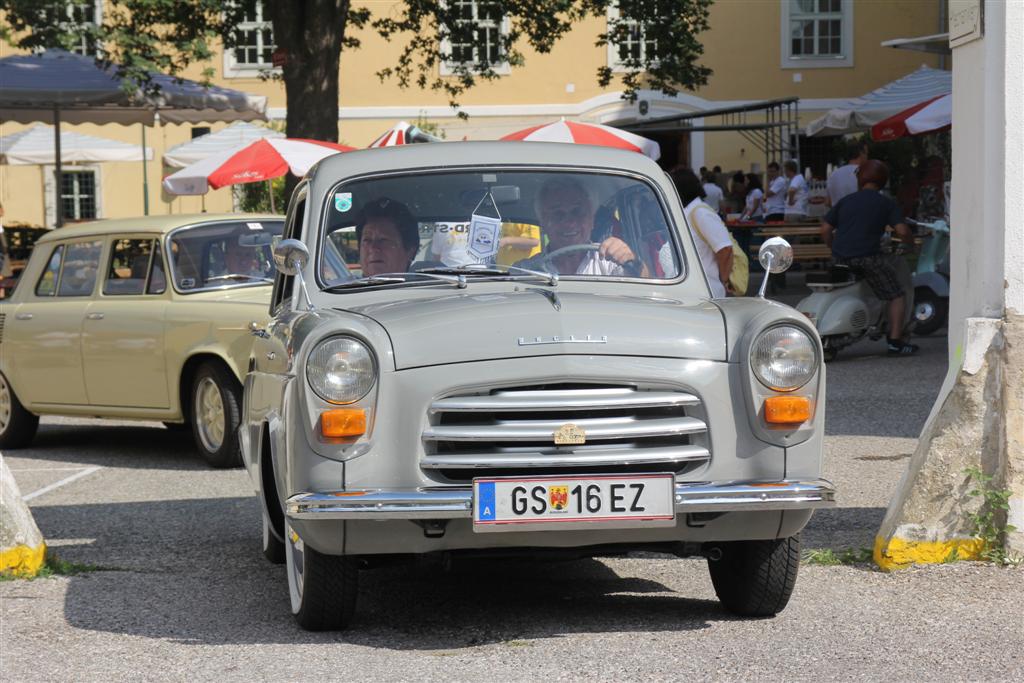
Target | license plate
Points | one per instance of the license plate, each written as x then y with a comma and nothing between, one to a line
607,501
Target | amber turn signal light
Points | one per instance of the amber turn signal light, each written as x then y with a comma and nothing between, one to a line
343,422
787,409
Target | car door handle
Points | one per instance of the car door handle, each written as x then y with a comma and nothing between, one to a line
95,316
23,316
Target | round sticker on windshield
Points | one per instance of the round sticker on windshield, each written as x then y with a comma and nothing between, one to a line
342,201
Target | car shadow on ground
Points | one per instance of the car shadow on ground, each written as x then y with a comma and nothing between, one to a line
191,571
131,446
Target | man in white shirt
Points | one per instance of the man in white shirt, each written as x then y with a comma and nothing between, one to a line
843,180
712,192
566,213
796,195
775,197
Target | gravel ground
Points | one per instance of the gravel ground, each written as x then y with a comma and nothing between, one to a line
188,596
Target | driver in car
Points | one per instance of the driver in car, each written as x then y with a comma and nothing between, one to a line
242,260
566,214
388,237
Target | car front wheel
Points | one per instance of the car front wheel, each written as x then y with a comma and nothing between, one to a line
216,412
322,587
17,425
755,578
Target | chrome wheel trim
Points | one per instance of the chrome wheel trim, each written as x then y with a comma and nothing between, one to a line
294,556
5,405
924,311
209,414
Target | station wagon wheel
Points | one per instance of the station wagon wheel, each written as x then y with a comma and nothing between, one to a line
756,578
215,415
17,425
322,587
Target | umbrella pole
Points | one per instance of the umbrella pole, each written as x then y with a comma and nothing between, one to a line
270,190
57,169
145,175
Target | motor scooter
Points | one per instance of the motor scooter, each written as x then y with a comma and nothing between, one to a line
844,309
931,278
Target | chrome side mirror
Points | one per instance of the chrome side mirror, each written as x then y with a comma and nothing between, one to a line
775,256
291,258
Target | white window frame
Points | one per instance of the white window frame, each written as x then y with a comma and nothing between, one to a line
232,68
51,192
613,48
97,20
800,62
502,68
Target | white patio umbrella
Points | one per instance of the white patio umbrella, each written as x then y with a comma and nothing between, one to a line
35,146
402,133
579,133
58,86
235,136
861,113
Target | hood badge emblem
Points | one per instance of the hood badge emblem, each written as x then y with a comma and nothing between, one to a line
571,339
569,434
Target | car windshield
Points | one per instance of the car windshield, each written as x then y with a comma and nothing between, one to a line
494,223
224,254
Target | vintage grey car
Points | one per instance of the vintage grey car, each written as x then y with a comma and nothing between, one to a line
583,394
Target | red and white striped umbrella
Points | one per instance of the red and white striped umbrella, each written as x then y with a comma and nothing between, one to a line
587,134
396,135
261,160
927,117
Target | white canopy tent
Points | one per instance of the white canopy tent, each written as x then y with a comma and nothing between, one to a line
239,134
58,86
860,114
35,146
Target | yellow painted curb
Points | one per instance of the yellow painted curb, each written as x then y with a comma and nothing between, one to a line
897,553
22,560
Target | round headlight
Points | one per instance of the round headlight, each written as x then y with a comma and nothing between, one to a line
784,358
341,370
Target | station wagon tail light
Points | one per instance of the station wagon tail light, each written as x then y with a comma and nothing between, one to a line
343,422
784,358
787,410
341,370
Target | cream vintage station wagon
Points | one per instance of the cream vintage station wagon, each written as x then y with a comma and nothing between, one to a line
529,361
145,318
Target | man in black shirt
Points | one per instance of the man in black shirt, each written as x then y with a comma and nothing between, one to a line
854,229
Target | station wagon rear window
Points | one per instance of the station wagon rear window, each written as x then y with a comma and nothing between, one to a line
571,223
225,254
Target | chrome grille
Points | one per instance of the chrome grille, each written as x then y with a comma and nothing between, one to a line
511,430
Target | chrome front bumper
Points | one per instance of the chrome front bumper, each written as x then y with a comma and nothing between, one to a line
452,503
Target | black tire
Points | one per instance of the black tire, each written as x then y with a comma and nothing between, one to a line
17,425
224,451
930,311
326,600
756,578
273,547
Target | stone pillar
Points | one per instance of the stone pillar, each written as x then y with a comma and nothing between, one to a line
22,550
978,418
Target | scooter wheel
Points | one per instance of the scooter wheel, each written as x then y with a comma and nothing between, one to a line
930,311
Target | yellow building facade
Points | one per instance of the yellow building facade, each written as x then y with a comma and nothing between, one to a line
822,51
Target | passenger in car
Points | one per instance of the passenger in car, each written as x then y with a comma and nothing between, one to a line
242,260
388,237
566,213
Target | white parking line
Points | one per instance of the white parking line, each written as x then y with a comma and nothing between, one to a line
45,469
62,482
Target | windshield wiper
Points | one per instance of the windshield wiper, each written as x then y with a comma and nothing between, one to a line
239,276
396,278
480,269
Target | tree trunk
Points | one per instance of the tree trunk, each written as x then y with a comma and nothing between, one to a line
311,34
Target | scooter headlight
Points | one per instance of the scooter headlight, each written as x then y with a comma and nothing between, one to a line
341,370
784,358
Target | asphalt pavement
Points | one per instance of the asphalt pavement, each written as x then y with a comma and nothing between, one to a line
185,594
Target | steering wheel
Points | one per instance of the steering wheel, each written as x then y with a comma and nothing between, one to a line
571,249
632,267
